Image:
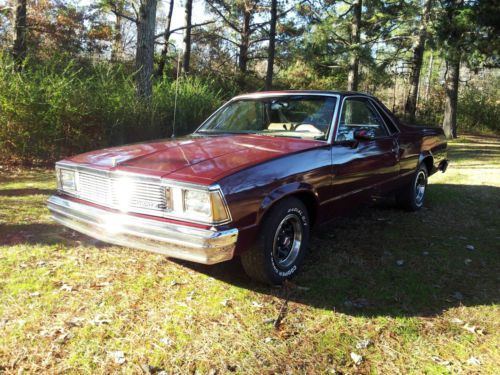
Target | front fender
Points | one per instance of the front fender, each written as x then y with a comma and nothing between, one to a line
298,188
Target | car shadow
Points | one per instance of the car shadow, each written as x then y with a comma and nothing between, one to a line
383,261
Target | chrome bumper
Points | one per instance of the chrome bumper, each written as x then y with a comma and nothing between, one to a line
173,240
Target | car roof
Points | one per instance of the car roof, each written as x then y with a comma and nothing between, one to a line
263,94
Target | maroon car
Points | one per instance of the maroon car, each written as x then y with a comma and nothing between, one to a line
251,180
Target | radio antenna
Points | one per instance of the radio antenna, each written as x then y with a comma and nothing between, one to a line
176,92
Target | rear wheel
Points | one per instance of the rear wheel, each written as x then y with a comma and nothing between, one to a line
412,196
281,245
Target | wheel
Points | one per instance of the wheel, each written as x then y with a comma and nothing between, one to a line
412,196
281,245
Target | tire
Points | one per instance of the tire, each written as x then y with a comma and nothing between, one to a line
412,196
281,245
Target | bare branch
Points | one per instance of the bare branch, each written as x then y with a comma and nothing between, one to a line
183,28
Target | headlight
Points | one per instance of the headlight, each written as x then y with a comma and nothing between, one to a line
67,180
201,205
197,203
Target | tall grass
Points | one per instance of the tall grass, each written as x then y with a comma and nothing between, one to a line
49,111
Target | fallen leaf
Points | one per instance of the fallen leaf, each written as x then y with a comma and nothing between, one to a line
356,358
190,296
440,361
66,288
257,305
268,340
473,329
98,321
226,302
363,344
118,357
473,361
167,341
456,321
75,322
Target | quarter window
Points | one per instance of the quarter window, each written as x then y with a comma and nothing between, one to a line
359,114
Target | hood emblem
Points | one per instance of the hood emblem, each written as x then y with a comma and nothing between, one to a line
113,161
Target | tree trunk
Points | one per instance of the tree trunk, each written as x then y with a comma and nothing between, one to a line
353,76
451,100
245,42
19,50
117,47
418,56
187,37
429,76
166,39
272,45
145,48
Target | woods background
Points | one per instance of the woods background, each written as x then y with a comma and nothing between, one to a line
76,75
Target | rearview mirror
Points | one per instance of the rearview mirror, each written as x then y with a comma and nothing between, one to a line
363,135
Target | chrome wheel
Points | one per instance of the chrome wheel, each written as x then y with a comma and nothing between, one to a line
287,241
420,185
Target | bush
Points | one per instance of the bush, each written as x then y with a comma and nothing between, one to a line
479,109
48,111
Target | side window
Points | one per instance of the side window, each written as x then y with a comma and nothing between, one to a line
359,114
384,112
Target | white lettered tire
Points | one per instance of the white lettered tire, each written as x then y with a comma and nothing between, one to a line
281,245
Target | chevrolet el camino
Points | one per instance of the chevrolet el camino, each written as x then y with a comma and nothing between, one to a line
251,181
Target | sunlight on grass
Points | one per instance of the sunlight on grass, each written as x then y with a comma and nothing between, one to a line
67,303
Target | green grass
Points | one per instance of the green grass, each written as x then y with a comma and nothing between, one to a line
68,302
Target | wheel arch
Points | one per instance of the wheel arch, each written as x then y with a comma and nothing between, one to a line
428,160
303,192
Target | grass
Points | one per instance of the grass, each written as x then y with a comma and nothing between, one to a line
68,303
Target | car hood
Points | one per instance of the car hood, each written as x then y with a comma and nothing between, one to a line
194,159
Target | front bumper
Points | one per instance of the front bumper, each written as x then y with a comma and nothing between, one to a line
173,240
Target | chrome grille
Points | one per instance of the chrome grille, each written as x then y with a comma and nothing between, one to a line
121,192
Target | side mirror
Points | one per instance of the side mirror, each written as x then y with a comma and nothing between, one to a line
363,135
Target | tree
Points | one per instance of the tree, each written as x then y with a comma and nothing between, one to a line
272,44
238,17
166,39
417,60
19,49
341,37
466,31
145,21
144,56
188,9
117,45
353,76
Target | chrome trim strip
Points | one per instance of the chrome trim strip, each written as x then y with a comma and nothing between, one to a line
173,240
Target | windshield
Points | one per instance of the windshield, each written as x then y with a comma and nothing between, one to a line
301,116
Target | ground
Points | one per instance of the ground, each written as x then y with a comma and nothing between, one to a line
383,291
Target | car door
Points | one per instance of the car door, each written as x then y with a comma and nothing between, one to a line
361,168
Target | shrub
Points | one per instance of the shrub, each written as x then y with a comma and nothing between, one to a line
479,108
48,111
